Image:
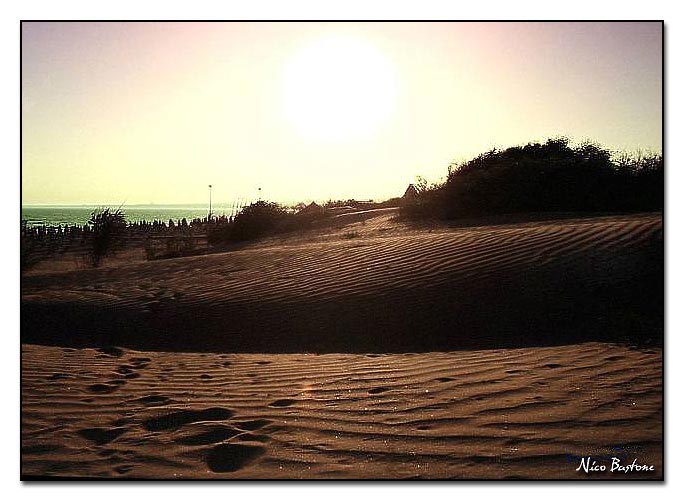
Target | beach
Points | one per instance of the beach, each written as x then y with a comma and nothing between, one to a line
486,414
373,348
342,250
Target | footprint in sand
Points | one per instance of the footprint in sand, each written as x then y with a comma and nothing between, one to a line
154,400
124,468
122,370
103,388
112,351
283,402
180,418
253,424
101,436
375,391
140,360
127,372
226,458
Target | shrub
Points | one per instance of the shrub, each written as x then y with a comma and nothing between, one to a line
257,220
108,228
254,221
29,254
261,219
544,177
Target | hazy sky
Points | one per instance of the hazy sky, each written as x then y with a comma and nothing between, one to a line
154,112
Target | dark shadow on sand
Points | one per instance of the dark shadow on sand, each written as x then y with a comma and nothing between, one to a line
615,297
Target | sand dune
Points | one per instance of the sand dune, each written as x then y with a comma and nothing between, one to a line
497,351
375,285
519,413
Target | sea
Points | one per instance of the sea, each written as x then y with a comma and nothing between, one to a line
55,215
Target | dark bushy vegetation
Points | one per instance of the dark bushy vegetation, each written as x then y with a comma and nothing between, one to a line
108,229
254,221
29,255
544,177
261,219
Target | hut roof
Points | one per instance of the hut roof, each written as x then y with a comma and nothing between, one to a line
312,207
410,192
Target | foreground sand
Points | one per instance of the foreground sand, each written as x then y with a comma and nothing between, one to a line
519,413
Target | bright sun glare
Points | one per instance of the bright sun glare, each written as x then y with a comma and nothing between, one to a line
339,89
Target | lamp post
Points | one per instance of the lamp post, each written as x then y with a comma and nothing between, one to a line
209,201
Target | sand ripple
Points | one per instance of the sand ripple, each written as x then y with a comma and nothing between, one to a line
397,290
478,414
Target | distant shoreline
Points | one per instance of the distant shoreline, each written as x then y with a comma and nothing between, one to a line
55,215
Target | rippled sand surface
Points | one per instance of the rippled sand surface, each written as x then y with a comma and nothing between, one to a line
371,286
478,414
372,349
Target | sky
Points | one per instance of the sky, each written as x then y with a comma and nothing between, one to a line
155,112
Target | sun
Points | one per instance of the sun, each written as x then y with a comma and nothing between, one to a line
339,89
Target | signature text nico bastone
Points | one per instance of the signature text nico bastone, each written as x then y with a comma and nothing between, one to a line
589,465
